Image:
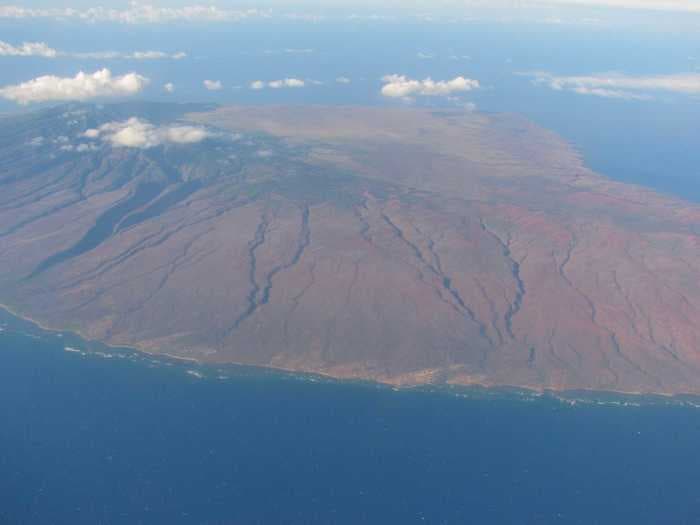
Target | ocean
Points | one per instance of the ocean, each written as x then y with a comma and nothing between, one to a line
90,435
652,142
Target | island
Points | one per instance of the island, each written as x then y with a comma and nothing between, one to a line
399,245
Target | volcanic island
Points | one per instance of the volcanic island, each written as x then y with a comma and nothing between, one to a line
405,246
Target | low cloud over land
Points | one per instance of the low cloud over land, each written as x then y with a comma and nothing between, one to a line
137,133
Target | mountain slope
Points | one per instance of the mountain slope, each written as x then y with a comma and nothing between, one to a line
404,246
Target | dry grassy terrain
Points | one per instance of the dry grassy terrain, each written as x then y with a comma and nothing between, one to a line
400,245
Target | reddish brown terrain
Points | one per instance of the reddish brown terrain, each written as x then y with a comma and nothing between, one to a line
399,245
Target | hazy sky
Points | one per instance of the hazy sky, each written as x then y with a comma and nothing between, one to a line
671,5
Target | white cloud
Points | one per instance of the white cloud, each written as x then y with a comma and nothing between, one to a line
137,133
609,93
83,86
287,82
79,148
148,55
400,86
155,55
617,85
278,84
41,49
654,5
136,14
343,80
169,87
27,49
136,55
213,85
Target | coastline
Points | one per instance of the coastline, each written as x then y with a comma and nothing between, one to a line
475,389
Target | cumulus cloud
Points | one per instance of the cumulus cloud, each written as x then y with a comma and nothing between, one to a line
400,86
82,86
213,85
278,84
617,85
136,14
137,133
286,82
343,80
169,87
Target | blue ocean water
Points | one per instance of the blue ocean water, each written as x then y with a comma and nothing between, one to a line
107,437
652,142
119,438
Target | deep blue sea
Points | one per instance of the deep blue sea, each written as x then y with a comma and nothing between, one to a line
95,436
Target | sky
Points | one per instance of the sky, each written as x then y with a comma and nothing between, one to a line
620,79
102,74
680,5
35,8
